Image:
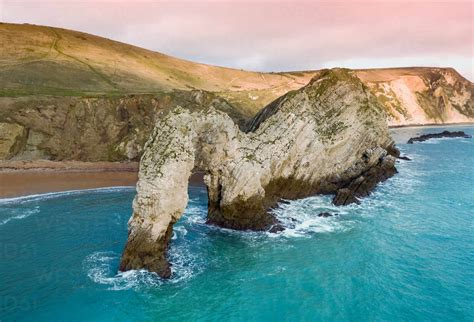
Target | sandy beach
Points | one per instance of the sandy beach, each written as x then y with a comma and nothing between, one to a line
14,184
22,178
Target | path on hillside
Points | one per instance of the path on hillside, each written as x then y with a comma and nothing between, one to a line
94,70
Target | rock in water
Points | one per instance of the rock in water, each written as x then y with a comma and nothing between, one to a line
326,214
327,136
444,134
404,157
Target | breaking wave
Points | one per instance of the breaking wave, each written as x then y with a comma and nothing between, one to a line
50,195
101,268
299,218
20,214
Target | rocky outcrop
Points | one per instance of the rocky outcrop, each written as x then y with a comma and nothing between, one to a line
12,138
444,134
91,129
380,167
329,135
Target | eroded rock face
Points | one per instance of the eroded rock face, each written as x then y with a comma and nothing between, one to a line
93,129
422,95
12,137
319,139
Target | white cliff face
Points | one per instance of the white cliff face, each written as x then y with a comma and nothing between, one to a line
424,96
315,140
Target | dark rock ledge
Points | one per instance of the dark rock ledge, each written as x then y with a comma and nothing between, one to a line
444,134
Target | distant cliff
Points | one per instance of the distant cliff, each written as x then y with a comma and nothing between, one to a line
67,95
422,95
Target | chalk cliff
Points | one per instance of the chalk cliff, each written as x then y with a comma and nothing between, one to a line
421,95
330,136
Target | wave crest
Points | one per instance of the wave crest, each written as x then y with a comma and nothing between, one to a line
20,214
101,269
50,195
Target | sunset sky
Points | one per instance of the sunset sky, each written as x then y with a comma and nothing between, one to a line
274,35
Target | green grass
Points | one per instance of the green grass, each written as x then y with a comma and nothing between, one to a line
58,49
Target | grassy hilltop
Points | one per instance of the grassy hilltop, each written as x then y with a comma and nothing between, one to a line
39,60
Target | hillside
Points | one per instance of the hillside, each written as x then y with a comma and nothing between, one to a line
67,95
38,60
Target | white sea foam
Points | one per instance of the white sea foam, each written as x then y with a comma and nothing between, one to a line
179,230
300,217
184,263
440,140
100,267
21,215
50,195
195,213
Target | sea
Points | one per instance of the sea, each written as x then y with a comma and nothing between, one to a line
405,253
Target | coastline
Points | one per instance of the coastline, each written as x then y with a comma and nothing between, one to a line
66,166
24,183
430,125
23,178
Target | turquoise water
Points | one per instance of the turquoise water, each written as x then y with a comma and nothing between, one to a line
405,253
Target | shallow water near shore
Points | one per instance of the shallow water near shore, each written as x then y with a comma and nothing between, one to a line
404,253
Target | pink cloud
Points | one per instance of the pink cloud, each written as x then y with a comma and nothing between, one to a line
274,35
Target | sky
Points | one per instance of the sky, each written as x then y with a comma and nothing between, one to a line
270,35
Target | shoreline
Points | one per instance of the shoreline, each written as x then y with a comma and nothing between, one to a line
66,166
23,183
25,178
430,125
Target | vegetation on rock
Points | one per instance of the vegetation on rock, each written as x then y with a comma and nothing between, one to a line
292,149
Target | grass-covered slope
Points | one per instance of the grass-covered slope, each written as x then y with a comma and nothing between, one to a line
39,60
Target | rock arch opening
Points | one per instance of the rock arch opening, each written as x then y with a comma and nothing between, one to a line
319,139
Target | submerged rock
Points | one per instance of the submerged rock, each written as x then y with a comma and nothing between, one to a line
404,157
327,214
330,136
276,228
444,134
